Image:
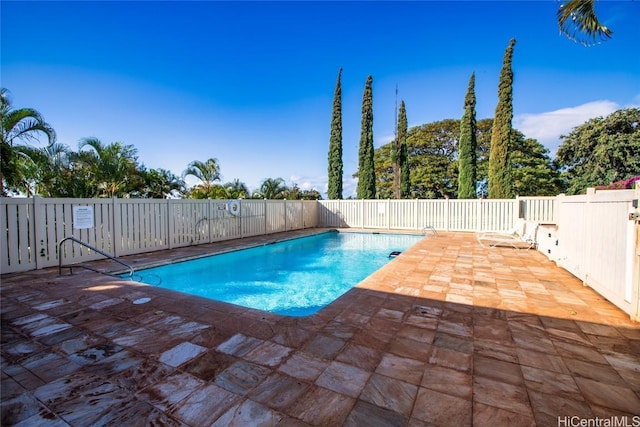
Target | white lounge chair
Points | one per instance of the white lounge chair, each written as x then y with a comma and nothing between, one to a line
522,236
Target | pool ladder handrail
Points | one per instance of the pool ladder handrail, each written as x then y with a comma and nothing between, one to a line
93,248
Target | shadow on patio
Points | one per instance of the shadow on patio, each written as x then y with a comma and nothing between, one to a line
449,333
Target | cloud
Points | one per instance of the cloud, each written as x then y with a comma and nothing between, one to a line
305,183
548,127
384,139
349,186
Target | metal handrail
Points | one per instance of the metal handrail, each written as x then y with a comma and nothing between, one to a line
80,242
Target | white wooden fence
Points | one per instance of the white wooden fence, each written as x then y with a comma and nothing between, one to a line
443,214
596,239
32,228
599,242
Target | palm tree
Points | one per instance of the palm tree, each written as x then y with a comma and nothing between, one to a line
578,21
18,125
236,189
113,168
161,183
206,172
271,188
40,170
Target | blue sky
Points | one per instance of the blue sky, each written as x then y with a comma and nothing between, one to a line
251,83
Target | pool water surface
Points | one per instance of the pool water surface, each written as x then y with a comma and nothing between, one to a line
295,277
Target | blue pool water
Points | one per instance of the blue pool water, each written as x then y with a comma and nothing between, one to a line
296,277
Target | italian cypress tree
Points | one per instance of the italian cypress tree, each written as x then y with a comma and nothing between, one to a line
399,153
467,166
366,168
395,155
335,144
405,180
499,176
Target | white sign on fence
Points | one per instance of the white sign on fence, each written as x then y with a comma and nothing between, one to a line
82,217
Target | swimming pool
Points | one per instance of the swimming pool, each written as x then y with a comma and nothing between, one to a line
296,277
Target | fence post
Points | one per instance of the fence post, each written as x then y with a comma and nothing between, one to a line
447,214
116,226
39,225
633,255
635,280
170,223
210,211
415,214
240,218
285,214
591,192
266,215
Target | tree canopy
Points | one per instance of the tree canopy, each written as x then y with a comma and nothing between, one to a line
533,171
434,155
601,151
272,188
20,127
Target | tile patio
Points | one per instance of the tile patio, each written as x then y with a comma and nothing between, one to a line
448,333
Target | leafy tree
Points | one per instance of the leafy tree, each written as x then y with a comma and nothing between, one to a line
214,191
160,184
601,151
74,178
207,173
40,169
295,193
578,21
272,188
401,177
236,189
434,157
499,165
467,168
112,168
22,125
335,144
384,171
26,169
432,154
432,149
230,190
483,146
534,172
366,168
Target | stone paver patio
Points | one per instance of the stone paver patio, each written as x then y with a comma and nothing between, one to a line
447,334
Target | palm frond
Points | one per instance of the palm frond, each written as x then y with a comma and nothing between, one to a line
578,21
